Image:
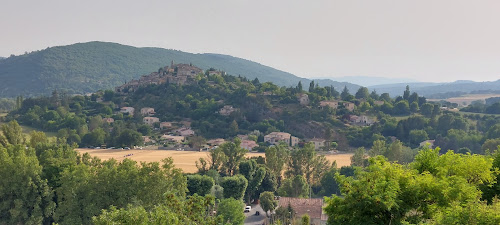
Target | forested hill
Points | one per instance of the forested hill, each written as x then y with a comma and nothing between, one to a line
88,67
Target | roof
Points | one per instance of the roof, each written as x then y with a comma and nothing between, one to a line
310,206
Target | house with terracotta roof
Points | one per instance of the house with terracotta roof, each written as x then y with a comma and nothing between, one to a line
226,110
216,142
165,125
108,120
185,131
303,99
248,144
310,206
349,106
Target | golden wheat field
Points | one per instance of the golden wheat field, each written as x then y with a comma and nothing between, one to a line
184,160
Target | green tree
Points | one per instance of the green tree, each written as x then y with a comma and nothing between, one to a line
345,95
12,134
406,94
358,159
198,184
129,138
426,109
362,93
294,187
394,151
254,175
276,157
234,154
305,220
234,187
25,197
37,137
231,210
417,136
311,86
267,201
379,147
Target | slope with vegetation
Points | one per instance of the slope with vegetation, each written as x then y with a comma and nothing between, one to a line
88,67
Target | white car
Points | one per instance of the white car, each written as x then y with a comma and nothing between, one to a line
248,208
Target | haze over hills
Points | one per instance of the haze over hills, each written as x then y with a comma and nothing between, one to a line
426,89
371,81
88,67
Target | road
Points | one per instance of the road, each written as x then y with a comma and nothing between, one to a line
252,219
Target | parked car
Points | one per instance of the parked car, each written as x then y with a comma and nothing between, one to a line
248,208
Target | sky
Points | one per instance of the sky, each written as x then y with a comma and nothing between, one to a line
425,40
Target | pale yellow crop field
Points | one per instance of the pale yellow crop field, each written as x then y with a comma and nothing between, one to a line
185,160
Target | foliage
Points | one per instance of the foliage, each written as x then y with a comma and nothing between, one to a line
294,187
231,210
234,187
198,184
267,201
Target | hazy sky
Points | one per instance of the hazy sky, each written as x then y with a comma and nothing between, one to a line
427,40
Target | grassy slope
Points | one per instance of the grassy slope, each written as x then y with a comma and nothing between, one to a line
88,67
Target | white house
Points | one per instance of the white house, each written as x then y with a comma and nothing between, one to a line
147,111
150,120
129,110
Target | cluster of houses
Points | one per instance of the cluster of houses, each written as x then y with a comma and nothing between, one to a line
179,74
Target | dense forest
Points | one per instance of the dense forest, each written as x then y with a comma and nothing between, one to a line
88,67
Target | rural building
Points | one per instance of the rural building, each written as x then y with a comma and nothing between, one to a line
275,138
108,120
349,106
310,206
248,144
331,104
303,99
379,103
226,110
185,131
150,120
216,142
129,110
165,125
429,143
176,139
318,143
147,111
362,120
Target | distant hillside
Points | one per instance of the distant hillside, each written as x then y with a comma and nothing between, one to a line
88,67
371,81
427,89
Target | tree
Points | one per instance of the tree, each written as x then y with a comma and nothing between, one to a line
37,137
426,109
234,155
294,187
491,145
385,97
254,175
305,161
12,134
358,159
129,138
299,87
25,197
406,94
198,184
345,95
379,147
414,107
231,210
276,156
234,187
417,136
394,151
233,128
329,185
362,93
267,201
311,86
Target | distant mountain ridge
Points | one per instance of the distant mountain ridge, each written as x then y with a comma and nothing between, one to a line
424,89
371,81
87,67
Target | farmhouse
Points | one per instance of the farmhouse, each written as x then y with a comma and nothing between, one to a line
248,144
331,104
275,138
184,131
108,120
349,106
216,142
150,120
147,111
318,143
176,139
129,110
303,99
310,206
227,110
165,125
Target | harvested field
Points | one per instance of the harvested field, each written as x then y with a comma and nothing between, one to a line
467,99
184,160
